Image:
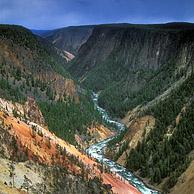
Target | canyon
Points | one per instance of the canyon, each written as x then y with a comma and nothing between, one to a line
97,109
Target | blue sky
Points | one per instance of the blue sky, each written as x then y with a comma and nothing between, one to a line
50,14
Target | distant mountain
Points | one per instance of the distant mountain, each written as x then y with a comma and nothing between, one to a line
67,39
42,33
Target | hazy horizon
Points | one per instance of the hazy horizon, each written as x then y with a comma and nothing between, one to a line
48,14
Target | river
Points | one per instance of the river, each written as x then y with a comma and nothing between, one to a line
97,152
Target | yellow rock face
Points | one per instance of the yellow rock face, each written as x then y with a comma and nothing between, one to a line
97,133
185,183
138,128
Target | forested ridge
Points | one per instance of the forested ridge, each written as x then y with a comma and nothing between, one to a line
164,152
68,118
123,60
33,69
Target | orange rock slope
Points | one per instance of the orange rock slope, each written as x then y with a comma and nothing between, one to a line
42,145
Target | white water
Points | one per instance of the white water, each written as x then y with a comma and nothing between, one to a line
97,152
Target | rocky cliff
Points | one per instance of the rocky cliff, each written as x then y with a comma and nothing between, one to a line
144,74
70,38
136,46
121,59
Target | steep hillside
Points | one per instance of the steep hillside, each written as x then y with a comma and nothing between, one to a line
163,150
34,160
122,60
31,67
69,39
26,62
144,74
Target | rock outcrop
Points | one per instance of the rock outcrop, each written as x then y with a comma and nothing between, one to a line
33,113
